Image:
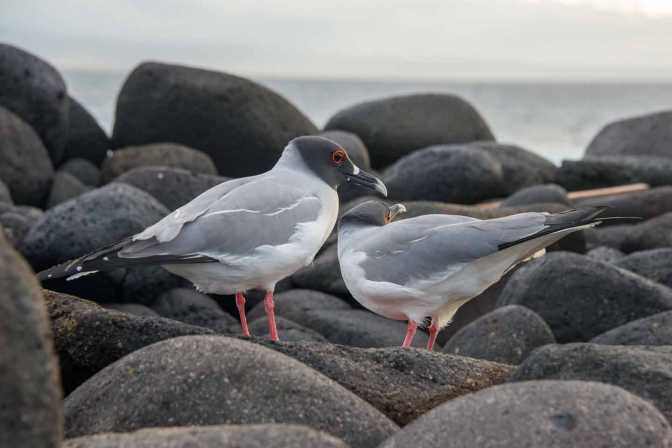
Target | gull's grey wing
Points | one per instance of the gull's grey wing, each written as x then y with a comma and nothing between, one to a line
259,213
402,252
168,227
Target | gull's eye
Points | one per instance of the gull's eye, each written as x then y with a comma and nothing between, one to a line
338,157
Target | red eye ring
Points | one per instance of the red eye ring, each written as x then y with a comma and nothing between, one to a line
338,157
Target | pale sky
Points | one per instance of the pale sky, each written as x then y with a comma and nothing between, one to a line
379,39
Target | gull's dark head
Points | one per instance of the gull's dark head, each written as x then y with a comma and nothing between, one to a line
372,213
330,162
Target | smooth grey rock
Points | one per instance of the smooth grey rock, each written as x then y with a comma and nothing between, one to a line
5,196
214,436
35,91
194,308
89,337
288,330
550,414
646,135
605,254
31,414
323,274
157,154
205,380
643,204
65,187
25,167
609,171
652,330
654,264
295,303
507,334
647,235
646,372
173,187
394,127
86,139
580,298
240,124
132,308
401,383
82,169
537,194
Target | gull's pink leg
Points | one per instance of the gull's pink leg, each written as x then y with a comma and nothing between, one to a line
433,331
240,304
269,306
410,332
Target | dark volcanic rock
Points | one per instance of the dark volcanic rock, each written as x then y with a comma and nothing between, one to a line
24,163
35,91
644,204
5,196
194,308
466,173
652,234
65,187
173,187
158,154
132,308
652,330
507,334
550,414
580,298
288,330
215,436
295,303
89,337
359,328
655,264
394,127
86,139
82,169
91,221
241,125
205,380
16,227
537,194
605,254
645,372
401,383
647,135
323,274
30,396
614,170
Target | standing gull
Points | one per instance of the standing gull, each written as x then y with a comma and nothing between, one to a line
431,265
246,233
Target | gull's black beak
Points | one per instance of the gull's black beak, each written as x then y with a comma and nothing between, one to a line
361,178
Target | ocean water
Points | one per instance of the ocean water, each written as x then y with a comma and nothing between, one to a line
556,120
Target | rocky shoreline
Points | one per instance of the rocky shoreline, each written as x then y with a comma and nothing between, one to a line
571,349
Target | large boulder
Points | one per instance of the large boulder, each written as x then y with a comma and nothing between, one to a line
642,204
580,298
651,234
215,436
194,308
25,166
507,334
86,139
605,254
173,187
64,187
550,414
323,274
646,372
205,380
82,169
598,172
537,194
88,337
465,174
394,127
89,222
35,91
241,125
31,414
652,330
647,135
655,264
296,303
401,383
156,154
288,330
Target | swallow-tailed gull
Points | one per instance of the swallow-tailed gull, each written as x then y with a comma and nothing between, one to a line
429,266
246,233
